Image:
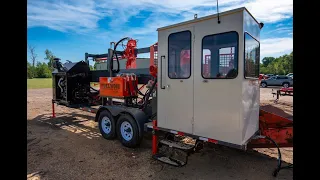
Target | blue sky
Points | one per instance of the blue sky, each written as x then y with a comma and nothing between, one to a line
69,28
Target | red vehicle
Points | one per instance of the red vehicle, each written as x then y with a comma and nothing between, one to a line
261,76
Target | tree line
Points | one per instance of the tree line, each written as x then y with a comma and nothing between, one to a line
280,66
270,65
36,69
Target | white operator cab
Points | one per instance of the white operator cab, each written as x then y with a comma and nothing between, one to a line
208,77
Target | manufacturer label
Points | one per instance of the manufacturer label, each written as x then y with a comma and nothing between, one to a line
111,86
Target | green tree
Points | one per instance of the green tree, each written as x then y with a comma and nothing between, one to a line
281,65
33,55
43,70
91,67
263,69
95,65
49,57
267,60
31,71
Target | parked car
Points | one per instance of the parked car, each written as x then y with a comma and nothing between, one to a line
278,80
290,74
269,75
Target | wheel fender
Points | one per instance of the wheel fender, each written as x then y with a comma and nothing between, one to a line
102,108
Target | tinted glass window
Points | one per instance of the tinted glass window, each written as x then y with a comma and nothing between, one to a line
251,57
220,56
179,52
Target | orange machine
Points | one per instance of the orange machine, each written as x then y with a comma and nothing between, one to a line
121,86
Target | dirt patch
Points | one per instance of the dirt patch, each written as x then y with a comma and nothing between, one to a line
71,147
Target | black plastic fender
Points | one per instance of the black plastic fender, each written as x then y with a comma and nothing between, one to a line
138,115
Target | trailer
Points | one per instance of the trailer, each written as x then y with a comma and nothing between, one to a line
282,92
203,83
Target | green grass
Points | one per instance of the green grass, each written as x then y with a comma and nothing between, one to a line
39,83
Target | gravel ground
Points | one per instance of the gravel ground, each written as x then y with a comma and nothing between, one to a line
70,147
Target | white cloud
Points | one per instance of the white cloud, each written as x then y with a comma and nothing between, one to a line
79,16
280,30
272,46
268,11
82,16
63,16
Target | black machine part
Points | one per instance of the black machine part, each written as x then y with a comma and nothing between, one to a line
72,80
58,65
71,83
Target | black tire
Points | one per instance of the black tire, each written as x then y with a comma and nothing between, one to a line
286,85
263,84
132,133
111,134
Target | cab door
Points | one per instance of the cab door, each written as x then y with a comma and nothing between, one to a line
217,88
175,79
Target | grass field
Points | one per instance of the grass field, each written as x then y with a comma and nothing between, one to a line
39,83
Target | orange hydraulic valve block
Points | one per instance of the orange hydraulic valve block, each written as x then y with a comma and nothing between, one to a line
121,86
113,87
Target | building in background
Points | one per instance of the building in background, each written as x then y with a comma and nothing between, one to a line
141,63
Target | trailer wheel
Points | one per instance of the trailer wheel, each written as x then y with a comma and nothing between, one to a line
107,125
285,85
127,131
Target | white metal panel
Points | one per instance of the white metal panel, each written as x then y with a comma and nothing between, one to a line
250,87
194,21
217,102
175,102
162,98
250,109
102,66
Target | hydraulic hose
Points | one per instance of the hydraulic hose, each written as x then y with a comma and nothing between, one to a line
276,171
146,98
115,53
93,89
137,89
279,155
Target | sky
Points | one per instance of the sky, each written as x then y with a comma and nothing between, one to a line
70,28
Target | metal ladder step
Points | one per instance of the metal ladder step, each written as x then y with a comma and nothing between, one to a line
168,160
178,145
